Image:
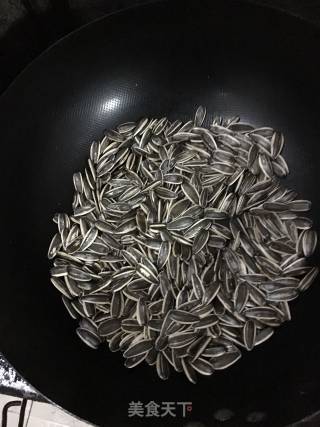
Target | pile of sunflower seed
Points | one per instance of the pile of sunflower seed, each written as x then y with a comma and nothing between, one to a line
183,246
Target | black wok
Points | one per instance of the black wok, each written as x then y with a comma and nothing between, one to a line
160,59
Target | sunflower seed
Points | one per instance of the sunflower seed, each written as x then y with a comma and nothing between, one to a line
55,246
190,192
109,327
183,317
182,339
189,371
241,296
198,287
206,322
131,362
78,274
202,366
200,116
92,340
299,205
282,294
183,245
309,242
162,366
261,313
305,283
200,241
88,239
277,142
225,360
180,223
249,334
141,347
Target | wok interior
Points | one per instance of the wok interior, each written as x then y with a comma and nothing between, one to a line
235,59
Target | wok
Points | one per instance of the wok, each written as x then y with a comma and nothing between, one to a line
159,59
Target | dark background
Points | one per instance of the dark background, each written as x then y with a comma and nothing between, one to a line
27,27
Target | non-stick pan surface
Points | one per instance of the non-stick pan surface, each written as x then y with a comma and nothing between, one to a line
160,59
